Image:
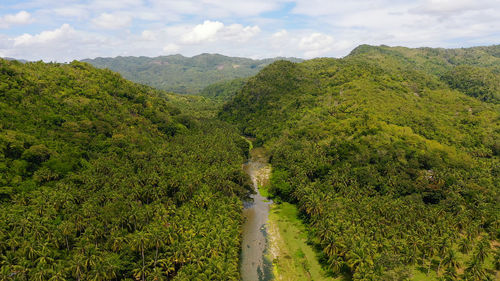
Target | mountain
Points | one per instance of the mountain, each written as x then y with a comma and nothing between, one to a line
391,154
105,179
475,71
184,75
223,91
19,60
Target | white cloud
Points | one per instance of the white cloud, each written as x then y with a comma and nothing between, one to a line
112,21
316,44
203,32
148,35
280,34
240,27
210,31
316,8
218,8
26,39
432,23
116,4
239,33
74,12
447,7
171,48
21,17
61,44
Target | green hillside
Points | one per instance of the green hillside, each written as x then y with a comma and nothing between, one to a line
391,156
223,91
184,75
104,179
474,71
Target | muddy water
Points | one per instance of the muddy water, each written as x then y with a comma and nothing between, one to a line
254,265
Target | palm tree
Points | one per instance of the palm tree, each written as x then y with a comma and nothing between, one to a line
5,273
465,245
45,256
359,256
78,267
314,205
140,241
335,264
482,249
497,259
91,258
141,272
58,275
157,240
157,275
102,272
40,273
450,260
29,249
443,245
475,270
67,228
117,243
450,274
167,265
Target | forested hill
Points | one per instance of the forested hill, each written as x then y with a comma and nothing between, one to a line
391,154
474,71
19,60
184,75
104,179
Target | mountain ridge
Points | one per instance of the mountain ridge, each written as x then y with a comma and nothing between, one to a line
180,74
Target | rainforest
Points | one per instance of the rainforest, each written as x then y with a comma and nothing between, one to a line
381,165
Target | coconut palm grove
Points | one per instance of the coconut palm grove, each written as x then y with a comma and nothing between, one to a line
390,155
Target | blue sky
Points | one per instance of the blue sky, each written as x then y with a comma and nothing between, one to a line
64,30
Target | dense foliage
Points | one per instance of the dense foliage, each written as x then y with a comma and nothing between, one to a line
474,71
180,74
223,91
392,168
104,179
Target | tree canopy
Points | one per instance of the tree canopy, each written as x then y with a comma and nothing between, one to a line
104,179
391,156
183,75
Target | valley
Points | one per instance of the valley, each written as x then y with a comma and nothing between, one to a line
184,75
382,165
382,156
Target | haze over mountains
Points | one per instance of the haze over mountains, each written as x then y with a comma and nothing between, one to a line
183,75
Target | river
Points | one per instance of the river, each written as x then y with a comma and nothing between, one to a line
254,265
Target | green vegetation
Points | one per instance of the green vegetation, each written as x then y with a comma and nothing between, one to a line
296,259
223,91
478,82
183,75
392,160
474,71
391,157
104,179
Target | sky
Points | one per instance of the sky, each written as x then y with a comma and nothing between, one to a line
65,30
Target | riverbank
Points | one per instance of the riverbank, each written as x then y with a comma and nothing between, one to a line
254,264
274,238
293,258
